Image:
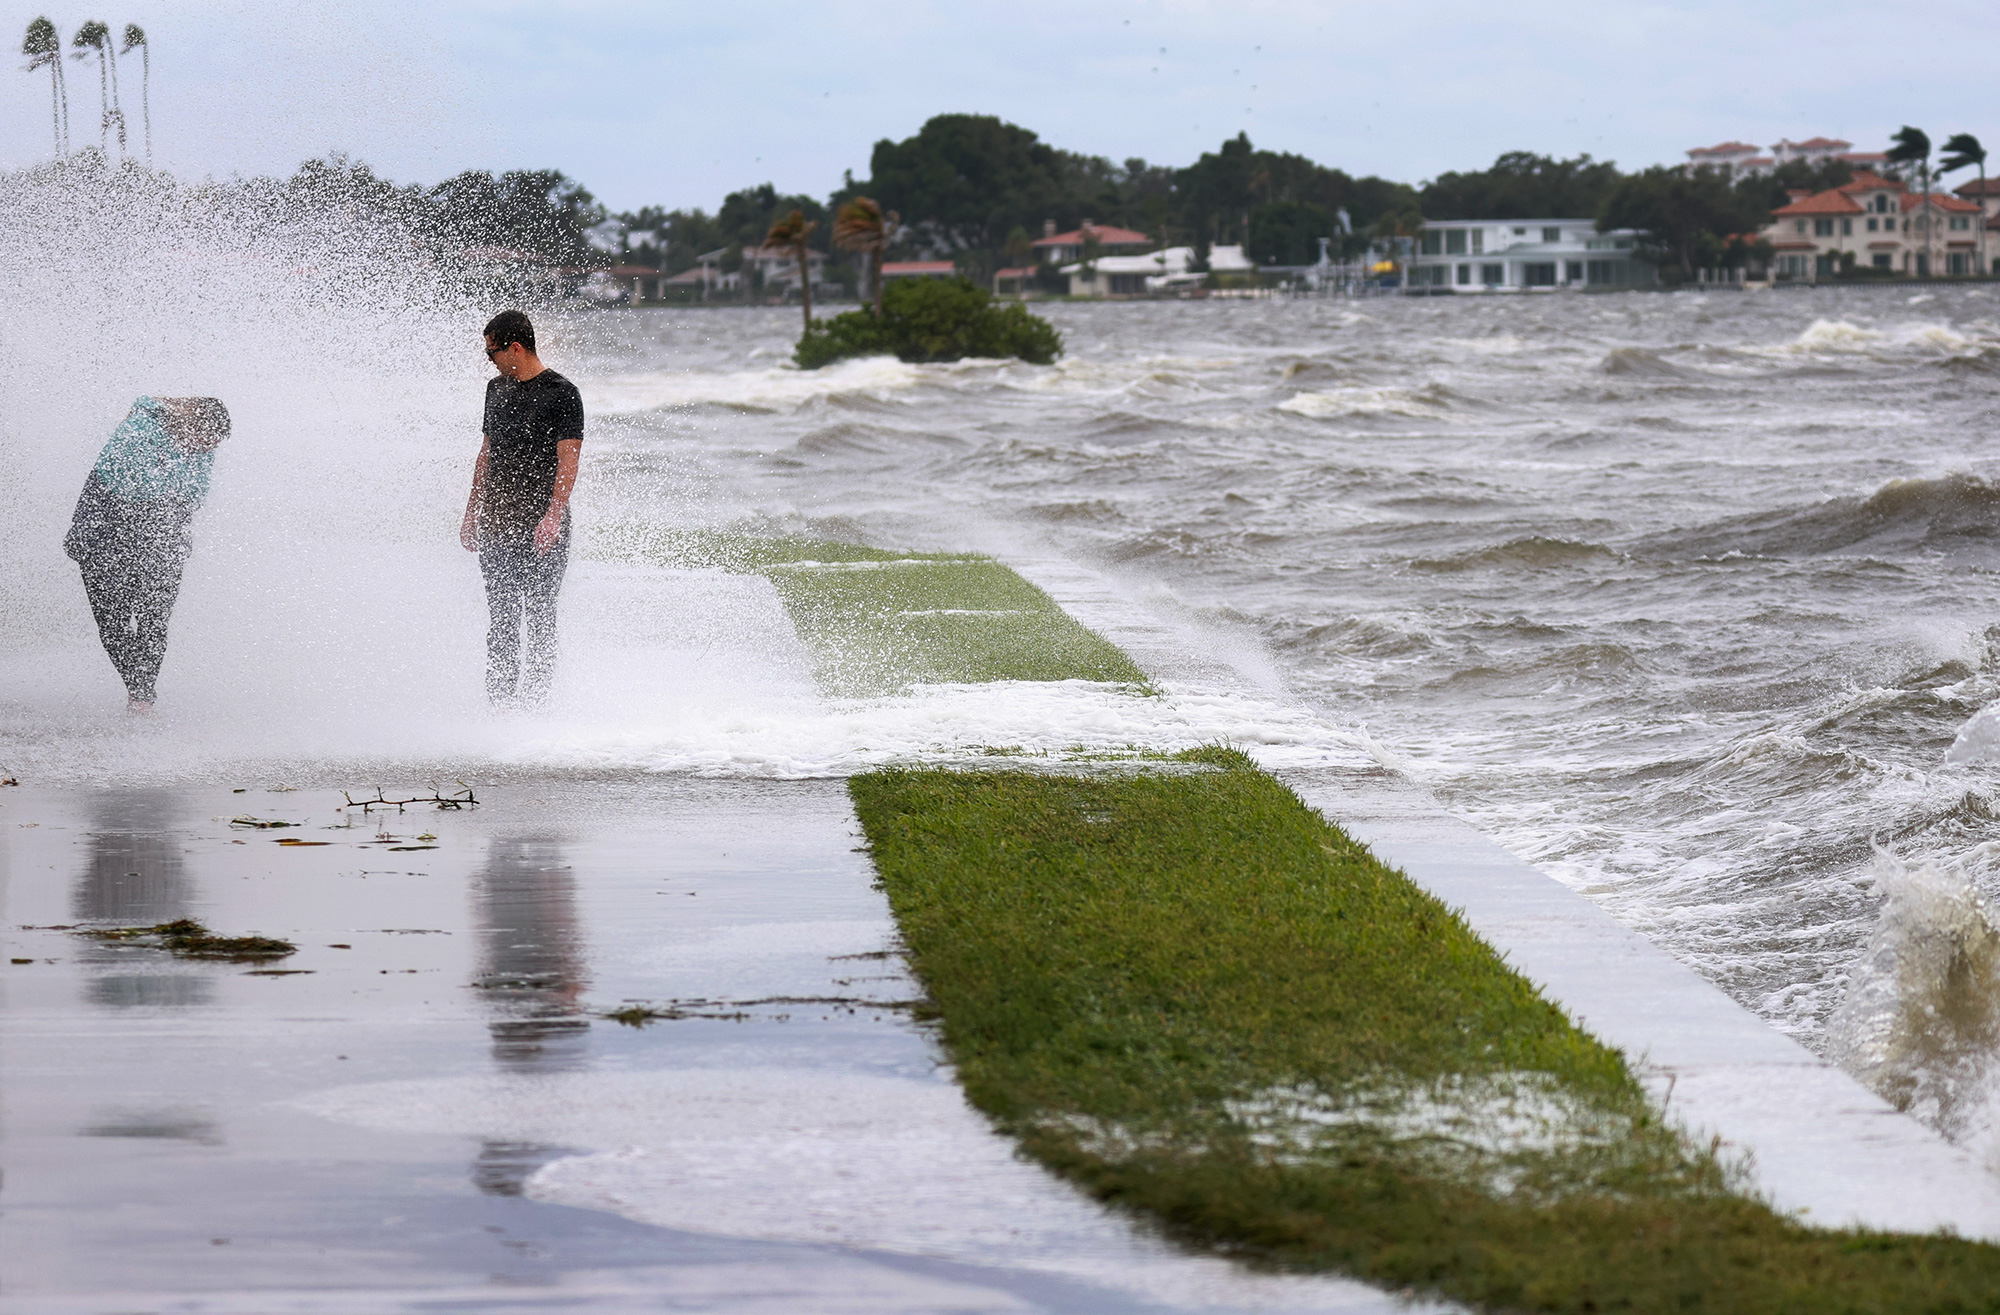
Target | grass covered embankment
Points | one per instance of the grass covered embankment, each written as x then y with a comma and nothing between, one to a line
878,621
1193,996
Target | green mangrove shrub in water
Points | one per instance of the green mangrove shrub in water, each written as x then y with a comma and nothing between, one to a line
931,320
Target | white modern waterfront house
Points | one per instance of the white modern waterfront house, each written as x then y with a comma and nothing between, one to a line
1158,271
1517,255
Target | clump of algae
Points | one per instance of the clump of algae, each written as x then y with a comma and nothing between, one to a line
191,940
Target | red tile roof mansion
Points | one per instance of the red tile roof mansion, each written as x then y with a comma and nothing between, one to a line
1879,223
1744,158
1067,248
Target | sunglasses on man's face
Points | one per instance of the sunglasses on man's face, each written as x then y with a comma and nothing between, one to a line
492,352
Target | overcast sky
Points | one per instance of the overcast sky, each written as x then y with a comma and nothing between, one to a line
677,104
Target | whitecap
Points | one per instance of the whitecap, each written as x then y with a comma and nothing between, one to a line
780,389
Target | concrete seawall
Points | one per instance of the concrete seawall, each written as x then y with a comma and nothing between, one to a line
1816,1143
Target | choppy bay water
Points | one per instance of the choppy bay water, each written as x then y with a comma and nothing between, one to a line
1684,598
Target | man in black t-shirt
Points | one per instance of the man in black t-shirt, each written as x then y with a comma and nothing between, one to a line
517,518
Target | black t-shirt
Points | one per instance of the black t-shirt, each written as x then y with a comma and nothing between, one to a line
525,419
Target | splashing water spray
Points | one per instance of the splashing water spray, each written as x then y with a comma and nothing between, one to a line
1920,1023
326,611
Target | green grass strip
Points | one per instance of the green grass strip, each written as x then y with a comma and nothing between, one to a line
878,622
1200,1001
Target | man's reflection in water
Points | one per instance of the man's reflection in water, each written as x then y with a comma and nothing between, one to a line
532,974
135,875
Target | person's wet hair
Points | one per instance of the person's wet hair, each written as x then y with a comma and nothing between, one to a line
509,327
204,418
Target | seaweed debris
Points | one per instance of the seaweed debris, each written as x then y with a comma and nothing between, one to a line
191,940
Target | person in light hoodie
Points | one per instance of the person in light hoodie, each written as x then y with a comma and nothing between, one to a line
131,536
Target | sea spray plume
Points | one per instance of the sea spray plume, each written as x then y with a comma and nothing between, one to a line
345,349
511,233
1921,1019
43,46
135,37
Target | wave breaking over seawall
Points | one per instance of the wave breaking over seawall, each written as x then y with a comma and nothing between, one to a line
1685,598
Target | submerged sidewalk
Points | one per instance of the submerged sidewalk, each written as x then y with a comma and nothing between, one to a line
427,1106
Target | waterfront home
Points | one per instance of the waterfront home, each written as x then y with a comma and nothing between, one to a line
1985,193
1158,271
621,285
1876,223
1743,160
1736,157
1013,282
1818,150
918,269
778,268
1053,248
1517,255
708,269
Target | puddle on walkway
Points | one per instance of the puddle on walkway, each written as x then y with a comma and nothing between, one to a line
429,1109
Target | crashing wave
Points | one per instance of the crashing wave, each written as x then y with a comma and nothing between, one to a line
772,391
1921,1020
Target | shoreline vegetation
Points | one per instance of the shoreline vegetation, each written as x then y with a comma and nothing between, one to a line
926,320
1208,1006
983,194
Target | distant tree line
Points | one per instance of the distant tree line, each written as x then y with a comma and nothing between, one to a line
977,190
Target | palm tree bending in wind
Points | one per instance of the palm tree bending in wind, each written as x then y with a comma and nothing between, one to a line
861,227
136,36
95,36
1961,150
1913,146
789,236
43,47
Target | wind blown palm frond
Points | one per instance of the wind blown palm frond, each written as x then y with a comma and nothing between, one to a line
1909,144
94,36
1912,146
1960,150
790,236
862,227
42,44
135,38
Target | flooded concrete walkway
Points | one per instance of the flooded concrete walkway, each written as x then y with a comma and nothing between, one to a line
425,1108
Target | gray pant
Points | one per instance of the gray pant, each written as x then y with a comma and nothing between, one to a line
132,594
521,588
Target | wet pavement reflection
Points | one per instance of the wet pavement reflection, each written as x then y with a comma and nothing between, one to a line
532,973
427,1107
135,875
